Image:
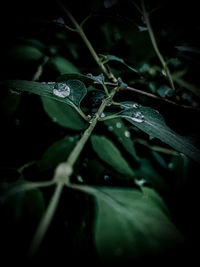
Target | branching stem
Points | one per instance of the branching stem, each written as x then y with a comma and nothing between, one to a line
79,29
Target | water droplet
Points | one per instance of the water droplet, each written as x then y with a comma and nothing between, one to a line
118,125
61,90
71,139
106,177
127,134
54,119
164,73
135,105
80,179
15,92
103,115
138,117
140,181
170,165
110,128
109,104
89,116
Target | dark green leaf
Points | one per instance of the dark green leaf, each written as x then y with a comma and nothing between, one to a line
130,224
63,115
25,52
77,89
151,122
147,172
21,202
64,66
75,76
118,128
165,90
110,154
100,78
57,152
108,58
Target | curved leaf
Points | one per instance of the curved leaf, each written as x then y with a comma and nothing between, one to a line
64,66
77,90
152,122
63,115
130,224
57,152
110,154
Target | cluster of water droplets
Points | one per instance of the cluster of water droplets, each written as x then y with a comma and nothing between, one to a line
61,90
136,116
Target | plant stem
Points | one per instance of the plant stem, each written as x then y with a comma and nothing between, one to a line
109,75
78,148
155,46
62,177
46,220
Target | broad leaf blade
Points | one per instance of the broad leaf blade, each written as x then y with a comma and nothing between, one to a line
130,225
77,90
119,129
110,154
62,114
152,123
64,66
57,152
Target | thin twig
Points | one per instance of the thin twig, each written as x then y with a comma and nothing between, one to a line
88,44
155,45
140,92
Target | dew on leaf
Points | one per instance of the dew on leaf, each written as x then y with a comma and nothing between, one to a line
118,125
61,90
106,177
110,128
138,117
103,115
127,134
80,179
140,181
135,105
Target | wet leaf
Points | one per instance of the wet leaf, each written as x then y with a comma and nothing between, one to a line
77,90
118,128
152,122
110,154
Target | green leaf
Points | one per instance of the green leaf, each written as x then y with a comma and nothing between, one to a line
63,115
64,66
152,122
109,153
77,90
25,52
108,58
130,224
147,172
57,152
9,102
99,78
25,199
118,128
165,91
75,76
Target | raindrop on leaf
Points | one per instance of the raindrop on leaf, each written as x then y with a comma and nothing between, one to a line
61,90
118,125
